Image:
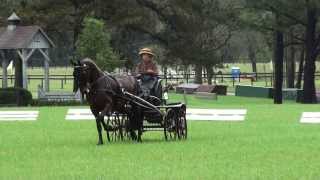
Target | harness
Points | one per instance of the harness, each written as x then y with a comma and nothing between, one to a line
109,91
121,93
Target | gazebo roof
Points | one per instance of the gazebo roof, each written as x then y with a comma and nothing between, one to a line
20,37
13,17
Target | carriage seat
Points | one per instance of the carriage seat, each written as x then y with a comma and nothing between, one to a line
150,86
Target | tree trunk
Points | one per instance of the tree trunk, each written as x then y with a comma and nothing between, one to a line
301,63
278,57
290,67
209,74
198,74
252,57
309,94
290,61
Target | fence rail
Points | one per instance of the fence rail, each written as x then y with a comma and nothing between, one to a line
252,77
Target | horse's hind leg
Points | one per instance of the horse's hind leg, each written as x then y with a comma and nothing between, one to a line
140,118
133,135
131,125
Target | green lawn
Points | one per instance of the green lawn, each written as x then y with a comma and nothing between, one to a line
270,144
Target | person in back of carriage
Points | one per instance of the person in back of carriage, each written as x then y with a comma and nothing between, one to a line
147,69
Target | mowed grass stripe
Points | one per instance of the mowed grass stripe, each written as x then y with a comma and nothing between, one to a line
191,114
18,115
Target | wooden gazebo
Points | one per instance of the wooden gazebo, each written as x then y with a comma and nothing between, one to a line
24,40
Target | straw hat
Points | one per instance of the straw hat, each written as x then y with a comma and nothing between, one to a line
146,51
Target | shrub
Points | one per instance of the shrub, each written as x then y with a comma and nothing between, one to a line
15,96
37,102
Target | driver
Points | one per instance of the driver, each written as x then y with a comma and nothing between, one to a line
147,69
147,66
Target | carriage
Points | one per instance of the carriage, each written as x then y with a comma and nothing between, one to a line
124,105
158,114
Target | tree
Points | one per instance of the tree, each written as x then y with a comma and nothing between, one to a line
278,58
271,20
300,13
94,42
312,43
195,29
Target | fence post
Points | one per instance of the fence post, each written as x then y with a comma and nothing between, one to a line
177,78
233,81
61,83
187,76
166,78
185,97
266,79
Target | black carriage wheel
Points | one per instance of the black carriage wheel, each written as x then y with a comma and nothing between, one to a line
182,125
170,125
114,129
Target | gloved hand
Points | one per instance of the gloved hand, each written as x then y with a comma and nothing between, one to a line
138,76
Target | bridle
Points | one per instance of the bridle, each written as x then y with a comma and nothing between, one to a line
78,74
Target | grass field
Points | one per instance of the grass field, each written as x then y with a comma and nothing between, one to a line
270,144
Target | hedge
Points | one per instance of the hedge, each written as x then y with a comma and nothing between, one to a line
15,97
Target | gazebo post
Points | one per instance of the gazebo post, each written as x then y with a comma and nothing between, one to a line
45,53
46,71
24,68
4,73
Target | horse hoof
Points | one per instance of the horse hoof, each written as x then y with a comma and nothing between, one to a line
99,143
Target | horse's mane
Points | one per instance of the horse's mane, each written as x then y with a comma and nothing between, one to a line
91,63
97,72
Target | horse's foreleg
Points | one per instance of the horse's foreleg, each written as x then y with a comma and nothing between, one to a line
104,112
139,135
98,124
99,128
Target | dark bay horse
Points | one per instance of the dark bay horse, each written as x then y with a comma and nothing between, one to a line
103,93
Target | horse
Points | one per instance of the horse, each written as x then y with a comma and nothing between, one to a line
103,93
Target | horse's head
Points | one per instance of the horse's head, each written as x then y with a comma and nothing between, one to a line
85,72
82,75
